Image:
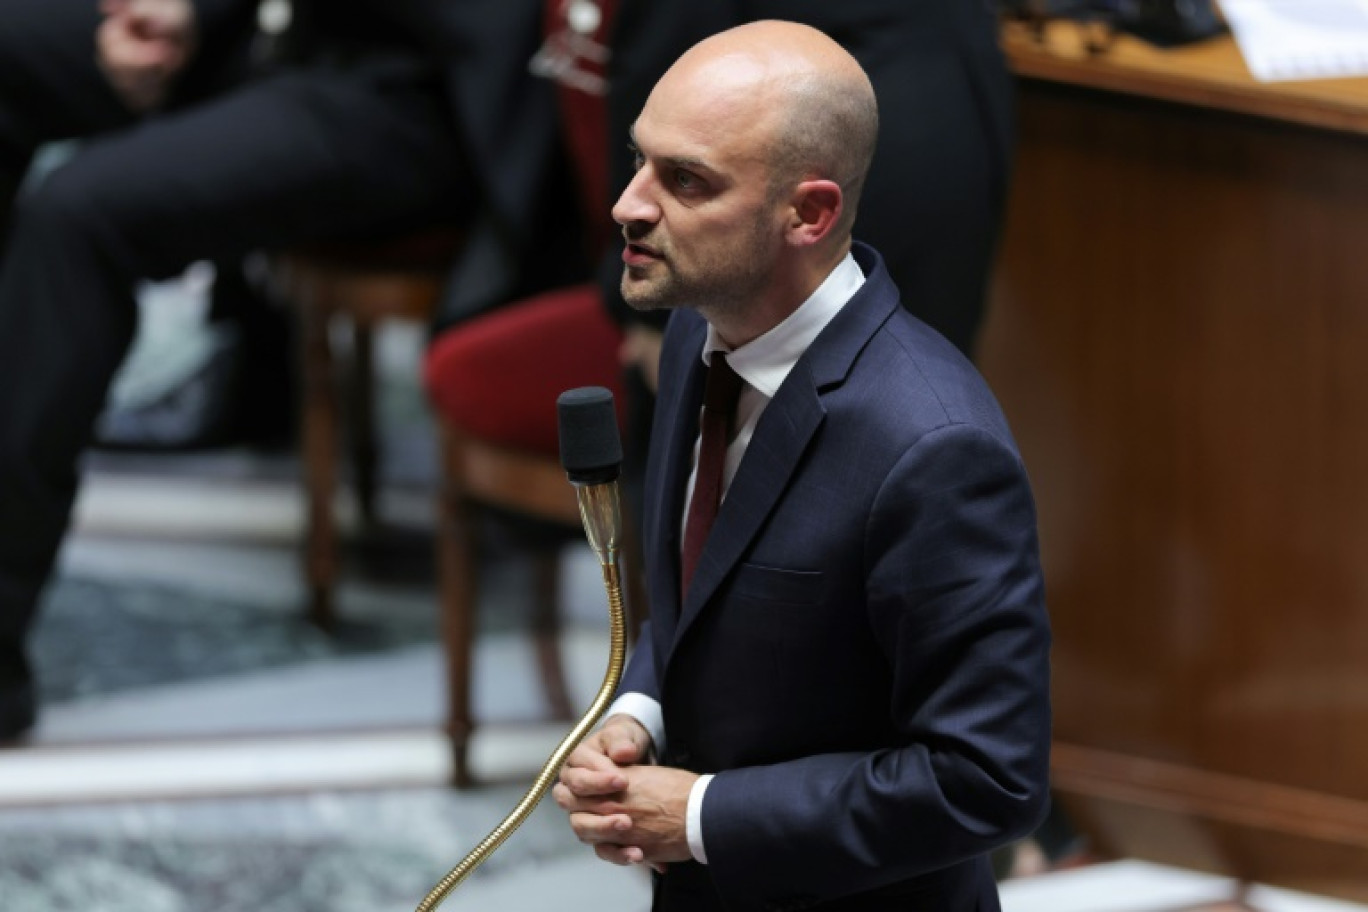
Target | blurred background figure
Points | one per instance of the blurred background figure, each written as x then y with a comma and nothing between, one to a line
206,138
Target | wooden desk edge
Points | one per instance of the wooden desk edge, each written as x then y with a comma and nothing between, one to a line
1237,92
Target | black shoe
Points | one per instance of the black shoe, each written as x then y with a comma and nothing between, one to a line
18,712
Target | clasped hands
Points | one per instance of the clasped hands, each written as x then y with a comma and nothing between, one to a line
628,811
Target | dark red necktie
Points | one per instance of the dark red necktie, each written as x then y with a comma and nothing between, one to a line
719,408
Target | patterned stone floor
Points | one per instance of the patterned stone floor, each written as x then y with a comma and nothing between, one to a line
329,852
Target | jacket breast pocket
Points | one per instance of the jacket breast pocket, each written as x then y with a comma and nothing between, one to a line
774,584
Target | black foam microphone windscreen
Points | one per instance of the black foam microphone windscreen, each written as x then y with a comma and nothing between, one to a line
590,447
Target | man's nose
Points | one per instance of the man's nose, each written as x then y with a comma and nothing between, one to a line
636,203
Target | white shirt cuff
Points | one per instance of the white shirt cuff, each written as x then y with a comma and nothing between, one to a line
693,819
646,711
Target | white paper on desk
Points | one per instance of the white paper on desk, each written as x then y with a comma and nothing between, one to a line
1300,39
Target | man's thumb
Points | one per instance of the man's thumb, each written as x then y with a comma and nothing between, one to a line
623,748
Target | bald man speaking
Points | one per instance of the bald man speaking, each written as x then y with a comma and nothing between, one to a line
841,701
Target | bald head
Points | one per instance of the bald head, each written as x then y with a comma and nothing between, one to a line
751,153
814,100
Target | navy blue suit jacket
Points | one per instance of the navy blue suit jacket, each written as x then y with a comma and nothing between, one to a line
862,658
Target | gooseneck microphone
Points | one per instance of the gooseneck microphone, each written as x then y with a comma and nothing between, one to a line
590,448
591,452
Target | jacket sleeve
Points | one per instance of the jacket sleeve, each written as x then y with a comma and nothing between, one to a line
639,675
954,592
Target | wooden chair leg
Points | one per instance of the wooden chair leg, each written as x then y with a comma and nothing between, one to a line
1241,898
546,628
361,402
457,567
319,443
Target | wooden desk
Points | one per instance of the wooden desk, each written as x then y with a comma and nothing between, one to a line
1179,334
1210,74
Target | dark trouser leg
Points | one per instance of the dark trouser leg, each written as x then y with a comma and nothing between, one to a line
263,401
279,162
58,353
49,89
933,203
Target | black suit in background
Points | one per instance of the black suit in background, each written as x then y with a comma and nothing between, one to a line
938,183
384,116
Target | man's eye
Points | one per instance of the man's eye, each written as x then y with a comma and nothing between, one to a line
686,181
638,160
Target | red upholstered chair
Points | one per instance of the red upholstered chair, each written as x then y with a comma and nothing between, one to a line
494,382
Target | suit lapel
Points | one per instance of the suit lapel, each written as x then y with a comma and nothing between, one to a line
780,439
681,402
783,435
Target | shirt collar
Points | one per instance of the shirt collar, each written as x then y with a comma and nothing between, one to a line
765,361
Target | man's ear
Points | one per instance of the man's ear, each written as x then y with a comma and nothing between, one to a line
817,205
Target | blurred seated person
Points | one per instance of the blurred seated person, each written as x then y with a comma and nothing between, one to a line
366,118
185,383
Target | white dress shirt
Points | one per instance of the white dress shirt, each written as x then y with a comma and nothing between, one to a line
762,363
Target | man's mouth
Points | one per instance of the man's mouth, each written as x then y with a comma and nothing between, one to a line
635,254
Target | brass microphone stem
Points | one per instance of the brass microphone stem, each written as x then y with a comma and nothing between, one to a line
599,510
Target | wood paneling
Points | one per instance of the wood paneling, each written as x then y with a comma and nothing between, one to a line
1179,335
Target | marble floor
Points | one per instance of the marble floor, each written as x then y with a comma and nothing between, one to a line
333,771
322,784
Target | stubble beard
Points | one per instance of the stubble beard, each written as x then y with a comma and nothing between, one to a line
715,293
721,286
645,297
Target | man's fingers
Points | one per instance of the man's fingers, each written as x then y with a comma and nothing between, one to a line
151,26
599,828
592,753
587,783
625,750
619,854
161,18
568,800
584,758
121,51
588,771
